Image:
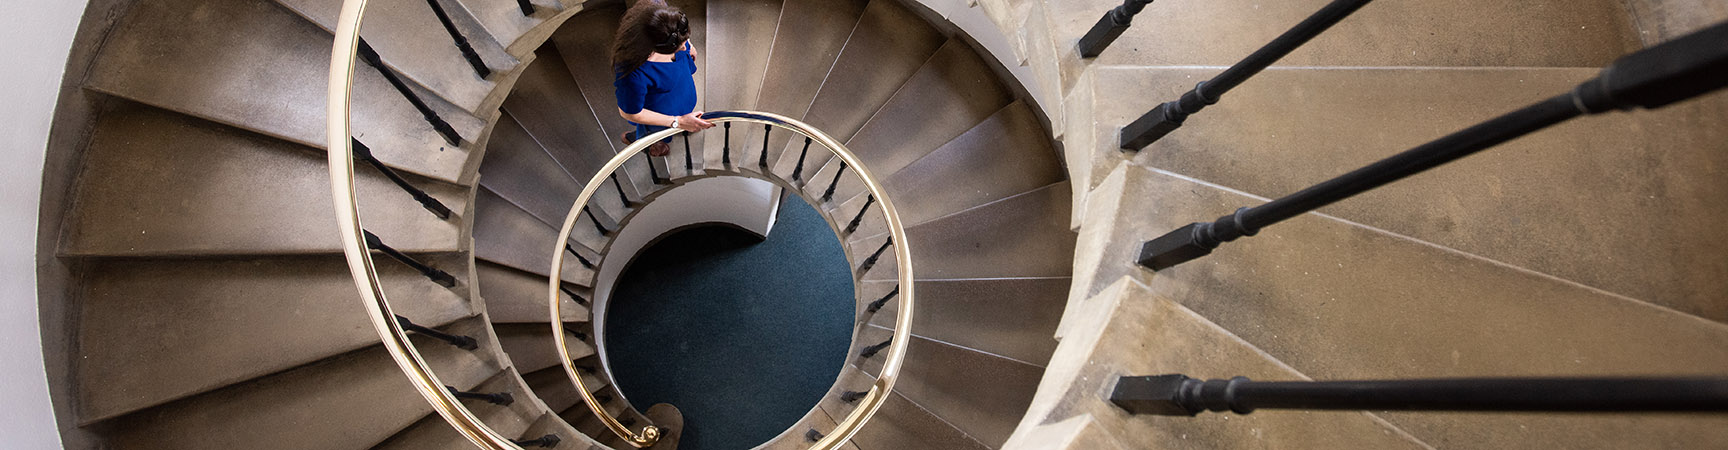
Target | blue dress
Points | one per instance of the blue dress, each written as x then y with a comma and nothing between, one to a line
663,87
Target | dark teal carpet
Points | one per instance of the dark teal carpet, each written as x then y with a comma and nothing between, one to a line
743,336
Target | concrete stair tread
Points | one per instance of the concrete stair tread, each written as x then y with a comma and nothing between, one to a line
182,55
888,45
585,44
568,436
1010,317
552,386
1004,155
741,34
519,34
514,296
530,345
797,436
212,323
1533,202
981,394
1338,300
349,401
1473,33
902,424
506,235
410,39
953,92
433,432
549,104
1129,330
517,168
807,41
159,183
1021,236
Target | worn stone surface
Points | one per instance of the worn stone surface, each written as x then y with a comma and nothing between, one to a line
1021,236
741,36
981,394
1658,21
527,175
506,235
530,345
410,39
807,42
1010,317
514,296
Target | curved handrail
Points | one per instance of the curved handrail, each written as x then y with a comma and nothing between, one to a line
338,139
878,392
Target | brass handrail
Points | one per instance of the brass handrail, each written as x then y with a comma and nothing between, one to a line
341,154
878,392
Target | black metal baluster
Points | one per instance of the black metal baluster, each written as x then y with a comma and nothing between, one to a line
462,342
461,41
1163,119
813,435
872,350
1679,69
577,298
799,171
1179,395
364,153
579,258
879,303
547,441
527,7
871,261
726,147
501,398
689,166
437,276
1109,27
653,172
580,336
438,124
853,225
621,196
829,194
596,220
852,396
628,422
603,398
762,160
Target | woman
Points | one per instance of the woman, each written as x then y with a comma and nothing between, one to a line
653,68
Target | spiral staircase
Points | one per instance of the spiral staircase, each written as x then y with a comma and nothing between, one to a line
207,303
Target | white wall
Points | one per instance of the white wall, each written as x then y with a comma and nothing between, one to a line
35,37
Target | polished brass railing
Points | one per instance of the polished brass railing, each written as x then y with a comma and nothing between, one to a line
338,140
878,392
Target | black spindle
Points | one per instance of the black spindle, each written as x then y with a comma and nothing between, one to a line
762,159
829,194
689,165
1163,119
364,153
621,196
726,147
872,350
437,276
871,261
813,435
653,172
579,258
501,398
1179,395
852,396
856,219
603,398
438,124
527,7
461,42
547,441
1651,78
799,170
577,298
629,422
596,220
462,342
1110,27
879,303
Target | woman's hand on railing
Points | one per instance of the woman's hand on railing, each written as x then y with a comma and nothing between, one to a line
693,122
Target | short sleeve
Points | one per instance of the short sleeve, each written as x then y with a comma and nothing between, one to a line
632,92
685,53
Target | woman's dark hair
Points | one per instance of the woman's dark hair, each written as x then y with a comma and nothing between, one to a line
650,26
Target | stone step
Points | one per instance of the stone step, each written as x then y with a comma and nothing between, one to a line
567,435
1075,433
1021,236
741,35
952,93
1130,330
1005,155
807,41
585,44
555,388
549,104
433,432
1014,318
182,55
797,436
518,33
514,296
1574,201
410,39
1478,33
582,418
211,323
530,345
979,393
159,183
887,46
506,235
901,423
349,401
1338,300
517,168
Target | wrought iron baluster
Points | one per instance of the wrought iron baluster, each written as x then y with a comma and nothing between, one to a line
438,124
726,147
621,196
852,396
762,159
653,172
813,435
872,350
461,41
501,398
879,303
577,298
596,220
462,342
1179,395
689,166
871,261
829,194
1109,27
856,219
799,170
547,441
579,258
437,276
526,6
364,153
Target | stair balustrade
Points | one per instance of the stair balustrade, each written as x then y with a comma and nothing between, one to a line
871,261
573,297
879,303
689,165
828,195
547,441
1110,27
622,198
1683,68
654,172
462,342
812,435
762,158
873,349
579,258
438,124
437,276
526,6
468,52
1165,118
798,170
596,221
856,219
1179,395
851,396
437,208
500,398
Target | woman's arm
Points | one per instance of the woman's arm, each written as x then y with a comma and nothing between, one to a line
689,122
